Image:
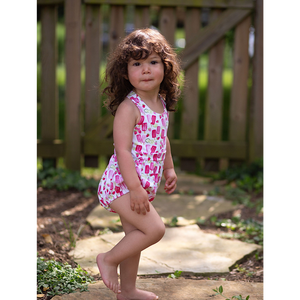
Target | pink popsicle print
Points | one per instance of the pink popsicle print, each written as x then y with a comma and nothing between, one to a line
155,157
139,138
153,148
144,126
147,169
153,120
151,166
117,189
147,184
141,120
163,133
158,129
153,133
138,148
148,148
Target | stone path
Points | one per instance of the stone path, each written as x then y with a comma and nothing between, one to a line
176,289
186,249
187,208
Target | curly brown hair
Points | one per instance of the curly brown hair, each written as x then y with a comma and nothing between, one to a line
139,45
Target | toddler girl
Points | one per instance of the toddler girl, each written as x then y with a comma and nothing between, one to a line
142,75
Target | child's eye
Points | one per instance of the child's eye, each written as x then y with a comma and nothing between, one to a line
136,64
153,62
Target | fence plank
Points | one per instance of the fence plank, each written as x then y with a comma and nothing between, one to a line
141,17
55,148
49,92
239,93
191,3
214,101
256,110
73,83
49,101
116,27
192,149
190,114
167,26
208,36
92,65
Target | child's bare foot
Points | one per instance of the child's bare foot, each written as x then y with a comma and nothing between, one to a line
108,273
137,295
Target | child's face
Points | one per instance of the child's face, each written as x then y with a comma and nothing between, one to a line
146,74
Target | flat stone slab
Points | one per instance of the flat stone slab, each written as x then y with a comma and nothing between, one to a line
176,289
186,208
186,249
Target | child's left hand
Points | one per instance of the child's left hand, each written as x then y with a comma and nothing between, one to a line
171,179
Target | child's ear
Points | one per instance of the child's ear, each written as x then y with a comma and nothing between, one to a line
125,76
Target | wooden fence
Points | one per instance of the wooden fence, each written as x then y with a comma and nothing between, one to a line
245,141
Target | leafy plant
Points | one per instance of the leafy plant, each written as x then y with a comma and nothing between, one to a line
56,278
250,231
176,275
248,178
63,179
173,222
219,291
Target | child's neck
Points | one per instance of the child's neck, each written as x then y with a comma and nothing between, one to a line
148,96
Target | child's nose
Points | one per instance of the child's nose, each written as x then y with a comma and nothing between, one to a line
146,69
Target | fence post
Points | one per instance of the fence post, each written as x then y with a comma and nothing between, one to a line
73,84
256,105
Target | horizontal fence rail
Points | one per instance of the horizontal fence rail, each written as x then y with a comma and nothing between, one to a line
88,132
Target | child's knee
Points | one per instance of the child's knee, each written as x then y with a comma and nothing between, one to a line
158,231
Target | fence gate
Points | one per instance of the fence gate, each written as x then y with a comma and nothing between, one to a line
245,116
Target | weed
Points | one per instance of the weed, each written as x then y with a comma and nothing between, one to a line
219,291
72,237
175,275
173,222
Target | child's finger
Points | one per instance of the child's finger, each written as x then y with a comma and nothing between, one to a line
147,206
170,183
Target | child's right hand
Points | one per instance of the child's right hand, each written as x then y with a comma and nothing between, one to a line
139,200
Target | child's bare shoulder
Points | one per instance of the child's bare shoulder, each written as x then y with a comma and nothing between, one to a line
128,108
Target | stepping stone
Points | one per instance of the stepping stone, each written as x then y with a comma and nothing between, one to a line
176,289
189,183
186,208
187,249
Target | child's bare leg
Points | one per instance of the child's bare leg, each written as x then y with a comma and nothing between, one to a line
128,274
149,230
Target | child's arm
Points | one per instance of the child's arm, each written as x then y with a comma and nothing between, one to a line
169,171
126,117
